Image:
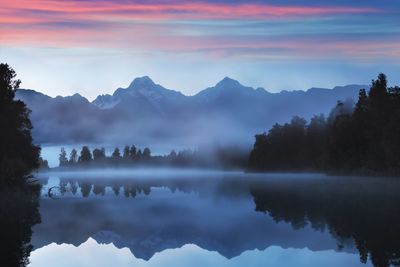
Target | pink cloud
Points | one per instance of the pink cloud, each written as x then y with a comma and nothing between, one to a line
109,25
185,10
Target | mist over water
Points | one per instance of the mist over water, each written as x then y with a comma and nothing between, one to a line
154,216
52,152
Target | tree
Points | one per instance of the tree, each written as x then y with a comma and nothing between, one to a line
99,154
43,164
18,155
172,155
132,151
364,137
146,153
73,156
126,154
361,121
361,108
282,148
62,158
379,114
316,141
378,92
139,154
86,155
116,154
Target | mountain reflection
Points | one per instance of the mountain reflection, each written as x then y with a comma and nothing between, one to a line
18,213
356,215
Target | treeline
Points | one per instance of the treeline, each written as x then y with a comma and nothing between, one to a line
360,138
98,156
131,156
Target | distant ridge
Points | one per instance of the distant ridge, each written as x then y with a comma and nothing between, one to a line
146,112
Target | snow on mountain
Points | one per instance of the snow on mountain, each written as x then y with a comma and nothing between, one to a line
147,112
140,87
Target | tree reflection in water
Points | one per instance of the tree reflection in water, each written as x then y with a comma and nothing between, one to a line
368,212
18,212
360,211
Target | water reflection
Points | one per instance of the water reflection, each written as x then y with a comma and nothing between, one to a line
367,212
153,214
18,213
96,255
232,215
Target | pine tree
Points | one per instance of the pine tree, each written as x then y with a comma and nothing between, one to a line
73,156
126,153
86,155
116,154
63,161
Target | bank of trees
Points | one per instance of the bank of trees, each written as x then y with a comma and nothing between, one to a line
132,156
98,157
364,137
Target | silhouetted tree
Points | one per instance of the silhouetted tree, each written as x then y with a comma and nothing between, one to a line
391,140
99,154
73,156
132,152
282,148
86,155
360,138
379,114
172,157
62,158
18,156
43,164
116,155
316,142
139,154
146,153
126,153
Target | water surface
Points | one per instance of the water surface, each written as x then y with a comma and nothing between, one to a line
210,218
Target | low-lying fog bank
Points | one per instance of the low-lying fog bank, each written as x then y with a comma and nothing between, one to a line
149,172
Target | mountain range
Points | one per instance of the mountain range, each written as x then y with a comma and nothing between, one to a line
147,113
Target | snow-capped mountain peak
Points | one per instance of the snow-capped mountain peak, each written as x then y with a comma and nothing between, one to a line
142,82
139,88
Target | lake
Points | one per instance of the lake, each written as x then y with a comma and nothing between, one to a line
211,218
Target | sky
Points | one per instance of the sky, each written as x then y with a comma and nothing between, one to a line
92,47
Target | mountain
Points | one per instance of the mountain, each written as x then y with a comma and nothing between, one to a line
147,113
229,89
142,87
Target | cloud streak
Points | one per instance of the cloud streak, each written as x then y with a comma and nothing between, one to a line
121,10
179,27
195,35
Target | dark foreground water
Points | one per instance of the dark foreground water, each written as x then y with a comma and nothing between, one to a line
158,218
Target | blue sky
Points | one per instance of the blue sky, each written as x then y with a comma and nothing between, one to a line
61,47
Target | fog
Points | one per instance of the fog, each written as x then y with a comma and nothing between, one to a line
152,172
147,115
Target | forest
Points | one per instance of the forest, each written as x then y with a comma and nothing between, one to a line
360,138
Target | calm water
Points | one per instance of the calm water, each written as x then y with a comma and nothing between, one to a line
157,218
